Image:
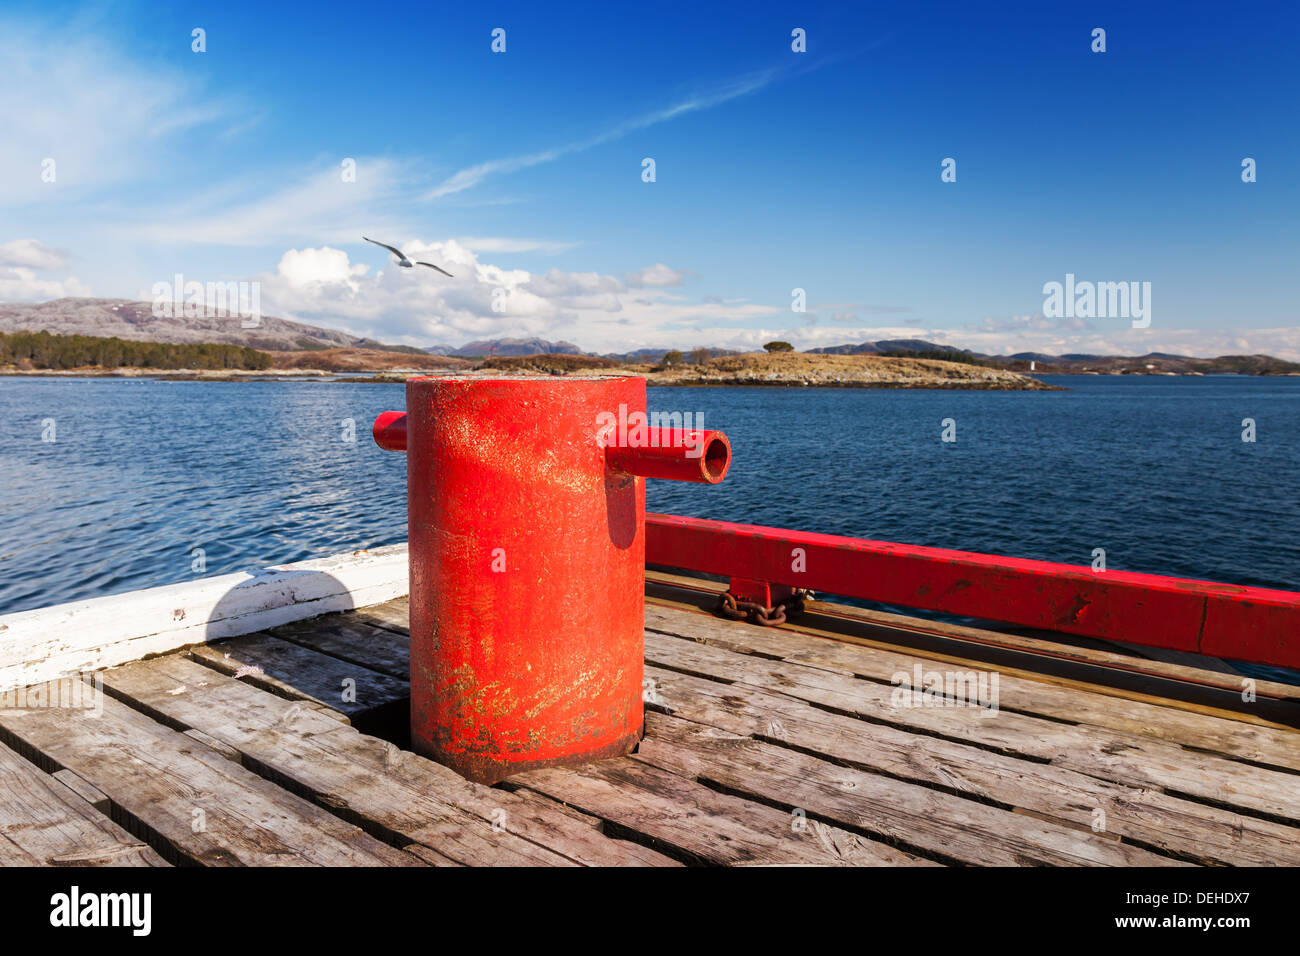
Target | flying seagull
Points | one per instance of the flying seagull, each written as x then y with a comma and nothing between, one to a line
406,263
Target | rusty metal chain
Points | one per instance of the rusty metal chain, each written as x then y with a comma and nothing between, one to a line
729,606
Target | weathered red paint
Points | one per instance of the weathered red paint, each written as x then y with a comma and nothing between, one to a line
527,554
1223,620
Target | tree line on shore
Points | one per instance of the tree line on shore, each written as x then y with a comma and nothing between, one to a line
44,350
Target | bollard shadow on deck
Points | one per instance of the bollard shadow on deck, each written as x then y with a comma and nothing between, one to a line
287,632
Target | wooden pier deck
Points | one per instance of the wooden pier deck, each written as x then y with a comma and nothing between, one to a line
763,746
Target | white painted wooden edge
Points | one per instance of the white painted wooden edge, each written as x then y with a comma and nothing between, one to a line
67,639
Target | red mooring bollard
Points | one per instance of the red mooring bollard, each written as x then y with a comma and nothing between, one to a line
527,552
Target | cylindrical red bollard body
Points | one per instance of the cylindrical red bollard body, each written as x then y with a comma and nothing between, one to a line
527,559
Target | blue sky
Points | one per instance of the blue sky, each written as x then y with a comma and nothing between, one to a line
522,171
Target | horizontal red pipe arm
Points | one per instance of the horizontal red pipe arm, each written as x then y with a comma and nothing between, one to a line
390,431
1222,620
671,453
674,454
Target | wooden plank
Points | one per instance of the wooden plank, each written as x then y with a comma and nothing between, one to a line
230,753
702,824
291,669
349,638
188,801
1266,745
394,614
67,639
43,822
929,821
1110,755
1142,815
218,659
382,788
432,857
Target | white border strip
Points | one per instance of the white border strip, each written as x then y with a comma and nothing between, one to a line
67,639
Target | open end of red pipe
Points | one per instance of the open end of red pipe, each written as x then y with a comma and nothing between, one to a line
674,455
717,459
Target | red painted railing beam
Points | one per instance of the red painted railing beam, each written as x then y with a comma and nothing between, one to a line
1222,620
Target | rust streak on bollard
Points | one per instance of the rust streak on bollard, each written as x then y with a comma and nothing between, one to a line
527,555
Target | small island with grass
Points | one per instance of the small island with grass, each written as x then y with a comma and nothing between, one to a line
781,369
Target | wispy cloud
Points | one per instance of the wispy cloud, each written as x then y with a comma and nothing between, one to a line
1036,322
733,89
510,244
314,204
102,117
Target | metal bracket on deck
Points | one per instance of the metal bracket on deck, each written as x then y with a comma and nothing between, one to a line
761,602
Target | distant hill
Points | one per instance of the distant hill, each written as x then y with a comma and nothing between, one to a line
381,347
888,345
507,348
1154,363
550,363
1157,363
655,356
365,360
639,356
135,321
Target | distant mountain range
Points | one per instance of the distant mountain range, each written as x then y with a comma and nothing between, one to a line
888,345
655,356
506,348
135,321
1076,363
127,319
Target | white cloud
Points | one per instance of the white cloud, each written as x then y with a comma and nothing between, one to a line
657,275
21,259
32,254
421,307
1035,322
324,265
21,285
